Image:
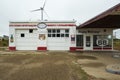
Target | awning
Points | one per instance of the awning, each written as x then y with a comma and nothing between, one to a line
108,19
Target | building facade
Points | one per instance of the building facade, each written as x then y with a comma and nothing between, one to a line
47,35
59,35
94,39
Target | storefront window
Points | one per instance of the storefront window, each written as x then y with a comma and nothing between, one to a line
102,41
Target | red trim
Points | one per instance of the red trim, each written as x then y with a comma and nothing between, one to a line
77,48
42,48
107,48
97,48
12,48
19,25
103,48
22,25
72,48
61,25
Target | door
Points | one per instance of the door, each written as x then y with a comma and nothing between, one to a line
58,39
88,42
79,41
26,39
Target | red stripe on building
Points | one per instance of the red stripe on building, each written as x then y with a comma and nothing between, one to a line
22,25
99,48
12,48
109,48
42,48
72,48
62,25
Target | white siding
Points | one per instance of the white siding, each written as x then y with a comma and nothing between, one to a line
28,42
58,43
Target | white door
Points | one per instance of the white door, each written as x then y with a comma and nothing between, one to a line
58,39
26,39
58,44
88,42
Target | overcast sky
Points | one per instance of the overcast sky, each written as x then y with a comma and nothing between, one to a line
80,10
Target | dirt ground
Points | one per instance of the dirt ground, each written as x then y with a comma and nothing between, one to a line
55,65
94,64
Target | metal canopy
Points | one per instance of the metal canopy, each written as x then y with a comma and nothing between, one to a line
108,19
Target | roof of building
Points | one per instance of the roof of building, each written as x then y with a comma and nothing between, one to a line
46,21
107,19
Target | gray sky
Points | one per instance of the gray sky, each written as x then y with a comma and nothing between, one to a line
80,10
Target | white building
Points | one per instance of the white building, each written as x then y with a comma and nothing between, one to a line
47,35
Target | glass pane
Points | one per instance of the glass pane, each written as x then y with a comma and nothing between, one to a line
49,35
67,31
58,35
66,35
53,35
62,35
30,30
22,35
88,41
79,40
54,31
49,30
58,30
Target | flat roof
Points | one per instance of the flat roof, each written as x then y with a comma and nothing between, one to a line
46,21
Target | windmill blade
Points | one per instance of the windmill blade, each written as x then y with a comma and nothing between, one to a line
44,4
46,14
36,10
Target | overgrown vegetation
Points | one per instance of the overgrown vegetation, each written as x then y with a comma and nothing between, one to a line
4,43
116,43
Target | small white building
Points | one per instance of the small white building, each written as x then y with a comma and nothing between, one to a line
45,35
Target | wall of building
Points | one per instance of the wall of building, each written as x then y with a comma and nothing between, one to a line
101,38
40,36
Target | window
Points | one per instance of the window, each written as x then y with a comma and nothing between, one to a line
58,33
53,35
22,35
49,35
79,40
30,30
53,30
62,35
102,41
66,35
58,30
49,30
67,31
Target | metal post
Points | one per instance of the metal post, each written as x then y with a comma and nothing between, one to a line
112,42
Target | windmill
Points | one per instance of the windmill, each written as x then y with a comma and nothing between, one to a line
42,10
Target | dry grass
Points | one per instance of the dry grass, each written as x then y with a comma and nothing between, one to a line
95,64
16,59
50,66
86,57
4,70
46,72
